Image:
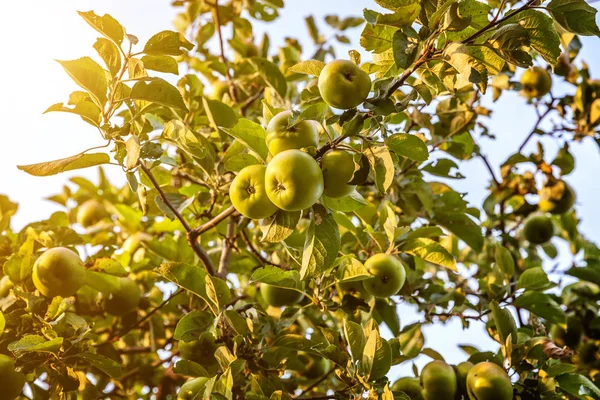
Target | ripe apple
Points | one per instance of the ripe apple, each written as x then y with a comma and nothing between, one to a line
248,195
556,199
410,386
91,212
58,272
571,336
294,180
438,381
338,168
278,297
11,381
343,84
536,82
462,370
314,366
388,275
488,381
538,229
201,351
281,137
124,300
192,389
354,288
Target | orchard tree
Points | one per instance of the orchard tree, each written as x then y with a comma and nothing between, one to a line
280,205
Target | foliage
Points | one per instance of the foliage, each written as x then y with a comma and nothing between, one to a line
200,264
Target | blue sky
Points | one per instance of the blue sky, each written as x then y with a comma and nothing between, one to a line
36,32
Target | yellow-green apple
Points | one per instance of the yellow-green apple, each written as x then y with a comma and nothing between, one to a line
438,381
58,272
281,136
538,228
488,381
338,169
388,275
248,193
536,82
91,212
343,84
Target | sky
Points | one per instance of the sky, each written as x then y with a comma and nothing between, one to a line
37,32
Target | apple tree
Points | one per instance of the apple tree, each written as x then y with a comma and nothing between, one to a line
280,205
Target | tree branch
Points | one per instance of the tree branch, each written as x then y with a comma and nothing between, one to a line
254,251
213,222
198,249
536,126
497,21
227,247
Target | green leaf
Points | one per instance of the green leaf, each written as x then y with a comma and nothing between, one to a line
322,243
541,305
534,279
279,226
405,47
382,165
190,368
271,74
309,67
355,338
576,16
350,203
105,25
376,361
87,110
89,75
167,43
377,38
475,63
407,145
196,145
165,64
505,323
577,385
158,91
192,324
252,135
430,251
219,114
589,274
197,281
109,52
35,343
350,269
78,161
104,364
276,276
240,161
462,226
385,310
542,33
396,5
295,342
403,16
504,260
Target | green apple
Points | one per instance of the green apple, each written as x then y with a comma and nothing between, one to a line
192,389
294,180
571,336
388,275
91,212
11,381
462,370
536,82
201,351
354,288
281,137
488,381
338,169
248,193
58,272
343,84
314,366
538,228
438,381
557,198
410,386
125,299
278,297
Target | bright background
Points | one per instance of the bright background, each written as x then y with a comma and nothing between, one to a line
36,32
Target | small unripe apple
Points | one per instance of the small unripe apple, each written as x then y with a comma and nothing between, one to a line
124,300
388,275
462,370
192,389
557,198
201,351
11,381
338,169
536,82
58,272
248,193
281,137
278,297
438,381
343,84
538,229
488,381
90,213
410,386
293,180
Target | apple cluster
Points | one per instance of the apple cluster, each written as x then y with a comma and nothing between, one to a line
441,381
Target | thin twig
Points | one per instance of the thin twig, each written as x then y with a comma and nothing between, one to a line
213,222
251,100
217,20
254,251
536,126
316,383
198,249
496,21
489,167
